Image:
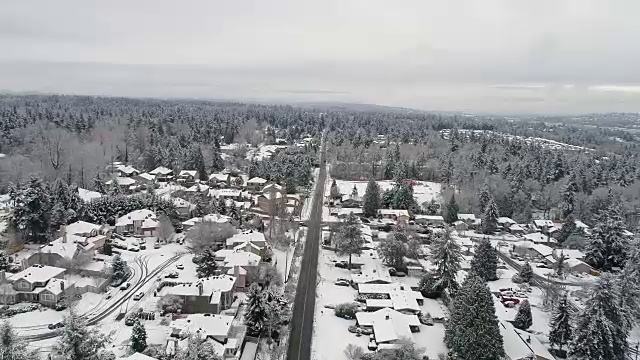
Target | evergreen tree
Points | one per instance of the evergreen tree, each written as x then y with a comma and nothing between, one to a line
334,192
11,346
628,286
217,164
485,261
31,211
256,314
427,286
526,272
119,268
608,244
561,331
568,228
560,265
207,265
198,348
58,216
138,341
451,214
79,342
472,332
490,218
447,256
569,197
349,240
600,333
484,197
98,183
523,319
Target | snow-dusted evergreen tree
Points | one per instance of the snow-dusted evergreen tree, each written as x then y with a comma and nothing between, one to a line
484,197
523,319
560,265
485,261
569,197
138,341
256,314
451,210
392,250
349,239
568,228
217,163
561,332
11,346
472,332
447,256
600,332
98,183
79,342
334,191
118,268
371,199
195,161
608,245
31,211
489,223
526,272
207,263
628,285
58,216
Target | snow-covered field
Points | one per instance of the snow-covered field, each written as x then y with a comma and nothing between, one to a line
423,191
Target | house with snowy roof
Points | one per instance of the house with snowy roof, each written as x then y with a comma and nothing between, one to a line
209,295
215,218
220,179
162,174
429,220
145,179
539,238
187,177
139,222
233,194
213,326
389,326
183,207
394,214
251,236
127,185
38,283
126,170
256,184
504,223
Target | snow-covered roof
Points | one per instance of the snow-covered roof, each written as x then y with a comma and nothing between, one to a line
405,300
346,211
208,325
220,283
396,212
38,273
519,345
127,169
525,244
273,187
430,217
571,263
543,223
88,195
122,181
66,249
536,237
188,173
516,227
256,180
82,228
581,225
137,215
505,220
219,177
381,288
543,250
239,258
254,237
198,188
226,193
464,217
371,273
57,286
571,253
180,202
147,176
388,324
137,356
161,170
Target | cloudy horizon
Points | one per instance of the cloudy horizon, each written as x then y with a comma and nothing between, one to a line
576,56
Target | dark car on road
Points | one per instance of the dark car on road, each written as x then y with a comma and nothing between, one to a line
57,325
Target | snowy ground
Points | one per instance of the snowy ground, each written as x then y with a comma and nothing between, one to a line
423,191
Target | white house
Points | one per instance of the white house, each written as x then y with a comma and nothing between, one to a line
521,345
88,195
256,184
389,326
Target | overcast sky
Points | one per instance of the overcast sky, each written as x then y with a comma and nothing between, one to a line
540,56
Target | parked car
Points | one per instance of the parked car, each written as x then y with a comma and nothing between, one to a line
156,245
172,275
342,282
125,286
542,266
394,272
109,294
373,346
142,244
57,325
505,299
138,296
180,267
342,264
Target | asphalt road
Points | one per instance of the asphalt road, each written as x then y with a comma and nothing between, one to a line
305,301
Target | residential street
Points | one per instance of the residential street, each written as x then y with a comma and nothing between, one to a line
303,309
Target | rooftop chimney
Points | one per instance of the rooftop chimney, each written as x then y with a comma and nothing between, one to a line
529,339
62,285
386,317
200,288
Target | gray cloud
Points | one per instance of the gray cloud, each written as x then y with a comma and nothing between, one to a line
441,55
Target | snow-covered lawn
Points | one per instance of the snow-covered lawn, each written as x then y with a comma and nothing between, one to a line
423,191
